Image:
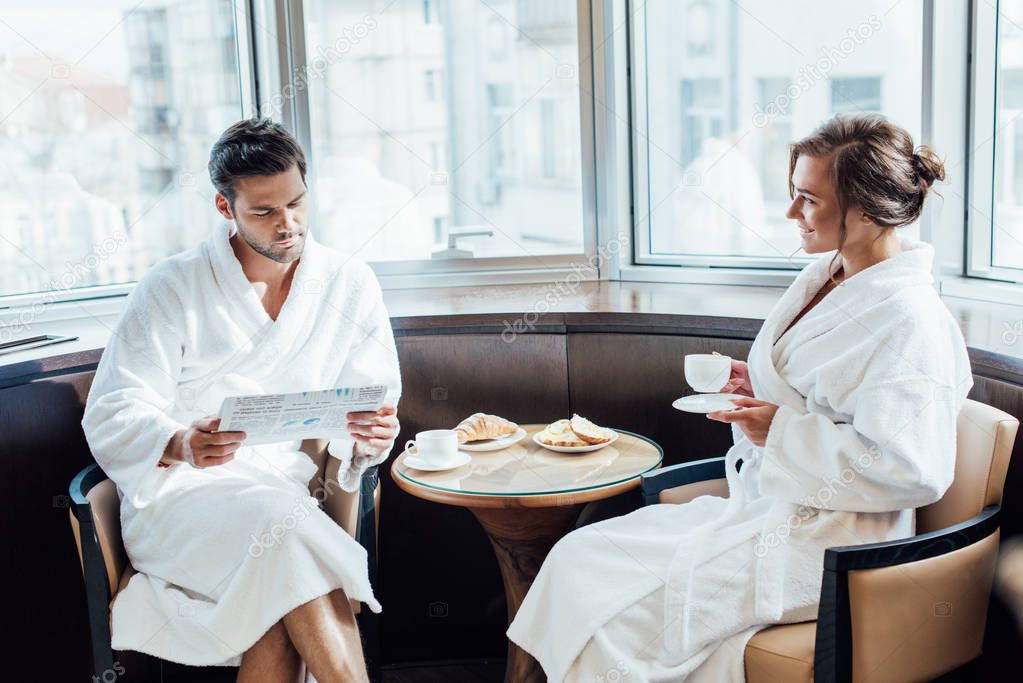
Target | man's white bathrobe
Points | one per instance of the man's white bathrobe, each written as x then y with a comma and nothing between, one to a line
224,552
869,384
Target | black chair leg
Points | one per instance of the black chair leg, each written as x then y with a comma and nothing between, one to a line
369,623
967,673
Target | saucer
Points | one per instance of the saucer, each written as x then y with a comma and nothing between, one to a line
423,466
494,444
706,403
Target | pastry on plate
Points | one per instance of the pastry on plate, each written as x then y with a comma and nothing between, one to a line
589,432
479,426
560,434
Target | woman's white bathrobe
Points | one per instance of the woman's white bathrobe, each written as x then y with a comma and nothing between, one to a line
224,552
869,383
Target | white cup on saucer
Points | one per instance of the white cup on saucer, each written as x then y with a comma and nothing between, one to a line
707,372
434,447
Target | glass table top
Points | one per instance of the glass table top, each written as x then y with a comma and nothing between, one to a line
528,469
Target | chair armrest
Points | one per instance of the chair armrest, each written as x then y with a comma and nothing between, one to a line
79,489
367,535
931,603
652,483
889,553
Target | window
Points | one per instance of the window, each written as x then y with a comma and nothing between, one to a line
700,32
507,121
500,106
438,158
855,94
717,110
104,141
550,144
702,115
433,85
431,12
772,146
994,205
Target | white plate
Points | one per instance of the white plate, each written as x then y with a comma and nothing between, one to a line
415,463
706,403
494,444
575,449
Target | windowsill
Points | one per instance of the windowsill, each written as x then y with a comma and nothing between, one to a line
995,328
980,289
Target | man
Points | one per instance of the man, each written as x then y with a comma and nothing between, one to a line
259,307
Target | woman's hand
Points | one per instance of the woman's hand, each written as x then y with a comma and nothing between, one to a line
374,432
752,415
738,382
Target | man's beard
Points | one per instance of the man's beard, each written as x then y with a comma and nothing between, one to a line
279,254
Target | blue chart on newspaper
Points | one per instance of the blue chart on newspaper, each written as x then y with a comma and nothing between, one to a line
303,415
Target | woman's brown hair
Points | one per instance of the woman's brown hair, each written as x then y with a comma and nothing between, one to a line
875,168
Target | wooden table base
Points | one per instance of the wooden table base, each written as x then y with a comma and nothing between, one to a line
521,538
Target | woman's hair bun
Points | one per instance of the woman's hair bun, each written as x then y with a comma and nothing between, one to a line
928,166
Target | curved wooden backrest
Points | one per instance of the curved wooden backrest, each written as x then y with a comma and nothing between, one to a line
984,440
104,507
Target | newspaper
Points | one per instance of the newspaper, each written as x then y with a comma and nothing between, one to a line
270,418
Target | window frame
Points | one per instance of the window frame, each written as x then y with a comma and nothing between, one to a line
690,268
290,58
14,306
713,269
613,151
983,138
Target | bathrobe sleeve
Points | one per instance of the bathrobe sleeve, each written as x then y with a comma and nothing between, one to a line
373,359
126,420
898,450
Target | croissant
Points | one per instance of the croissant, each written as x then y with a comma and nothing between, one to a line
482,426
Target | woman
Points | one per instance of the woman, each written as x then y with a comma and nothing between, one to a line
854,384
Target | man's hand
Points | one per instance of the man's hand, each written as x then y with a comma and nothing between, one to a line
752,415
201,445
374,431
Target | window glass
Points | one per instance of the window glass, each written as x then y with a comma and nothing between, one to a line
489,141
730,85
107,115
1007,224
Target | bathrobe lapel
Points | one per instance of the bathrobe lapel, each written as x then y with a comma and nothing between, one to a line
838,312
272,340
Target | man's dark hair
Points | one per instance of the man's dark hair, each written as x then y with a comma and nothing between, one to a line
253,147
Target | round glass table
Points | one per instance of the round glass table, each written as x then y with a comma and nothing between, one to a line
526,497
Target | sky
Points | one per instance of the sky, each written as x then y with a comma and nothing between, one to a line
97,39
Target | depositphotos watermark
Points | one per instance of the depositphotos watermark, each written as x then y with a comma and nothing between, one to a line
110,675
811,74
811,504
616,674
1012,333
316,67
303,509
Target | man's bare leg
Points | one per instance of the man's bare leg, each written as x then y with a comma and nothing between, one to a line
326,636
272,659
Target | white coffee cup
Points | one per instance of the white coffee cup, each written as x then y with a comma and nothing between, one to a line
707,372
434,447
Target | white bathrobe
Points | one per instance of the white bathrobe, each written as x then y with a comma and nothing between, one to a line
869,384
224,552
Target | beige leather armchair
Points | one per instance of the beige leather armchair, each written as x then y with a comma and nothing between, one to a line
905,610
95,522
